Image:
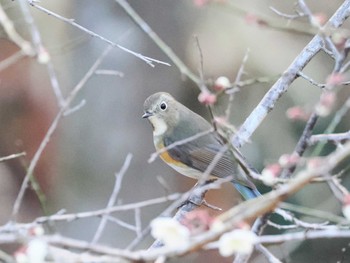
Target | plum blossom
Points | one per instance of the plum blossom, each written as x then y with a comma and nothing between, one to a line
170,232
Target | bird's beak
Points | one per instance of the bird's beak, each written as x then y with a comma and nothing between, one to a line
147,114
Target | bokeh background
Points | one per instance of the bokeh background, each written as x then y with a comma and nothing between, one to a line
76,171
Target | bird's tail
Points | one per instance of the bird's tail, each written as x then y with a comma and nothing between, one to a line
246,192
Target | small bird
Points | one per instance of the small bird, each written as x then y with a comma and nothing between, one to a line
173,122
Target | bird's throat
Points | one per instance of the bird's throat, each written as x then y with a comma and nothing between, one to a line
159,125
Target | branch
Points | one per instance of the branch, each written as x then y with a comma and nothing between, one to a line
119,177
40,50
335,138
305,235
9,28
148,60
106,211
52,129
302,144
280,87
12,156
158,41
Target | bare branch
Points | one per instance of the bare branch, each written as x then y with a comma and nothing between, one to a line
287,16
302,144
52,129
148,60
280,87
100,212
12,156
305,235
335,137
9,61
235,85
109,72
36,39
119,178
158,41
9,28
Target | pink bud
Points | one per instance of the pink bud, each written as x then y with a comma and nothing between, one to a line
36,231
207,98
346,200
314,163
326,103
288,160
297,113
339,39
318,19
335,79
197,221
346,206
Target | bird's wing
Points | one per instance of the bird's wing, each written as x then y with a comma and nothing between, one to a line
199,158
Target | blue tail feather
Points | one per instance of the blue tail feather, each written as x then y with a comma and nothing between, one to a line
246,192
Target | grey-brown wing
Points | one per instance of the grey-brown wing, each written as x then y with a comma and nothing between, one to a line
199,158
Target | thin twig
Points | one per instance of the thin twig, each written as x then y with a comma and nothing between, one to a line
36,39
269,256
158,41
305,235
235,86
52,129
75,108
118,181
335,137
304,76
109,72
314,213
339,115
9,61
9,28
287,16
121,223
281,86
100,212
301,145
138,221
148,60
12,156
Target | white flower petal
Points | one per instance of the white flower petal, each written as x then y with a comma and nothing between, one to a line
346,211
237,241
36,251
170,232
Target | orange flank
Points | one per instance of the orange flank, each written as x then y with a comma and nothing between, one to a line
166,156
168,159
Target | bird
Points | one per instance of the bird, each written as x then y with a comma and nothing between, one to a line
173,122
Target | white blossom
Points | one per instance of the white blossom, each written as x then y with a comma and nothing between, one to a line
346,211
237,241
222,83
170,232
36,251
268,177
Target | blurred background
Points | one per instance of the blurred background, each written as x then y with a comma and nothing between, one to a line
76,171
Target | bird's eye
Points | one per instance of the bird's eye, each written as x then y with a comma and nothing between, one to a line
163,106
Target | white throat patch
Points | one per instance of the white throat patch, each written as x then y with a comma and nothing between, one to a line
159,125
